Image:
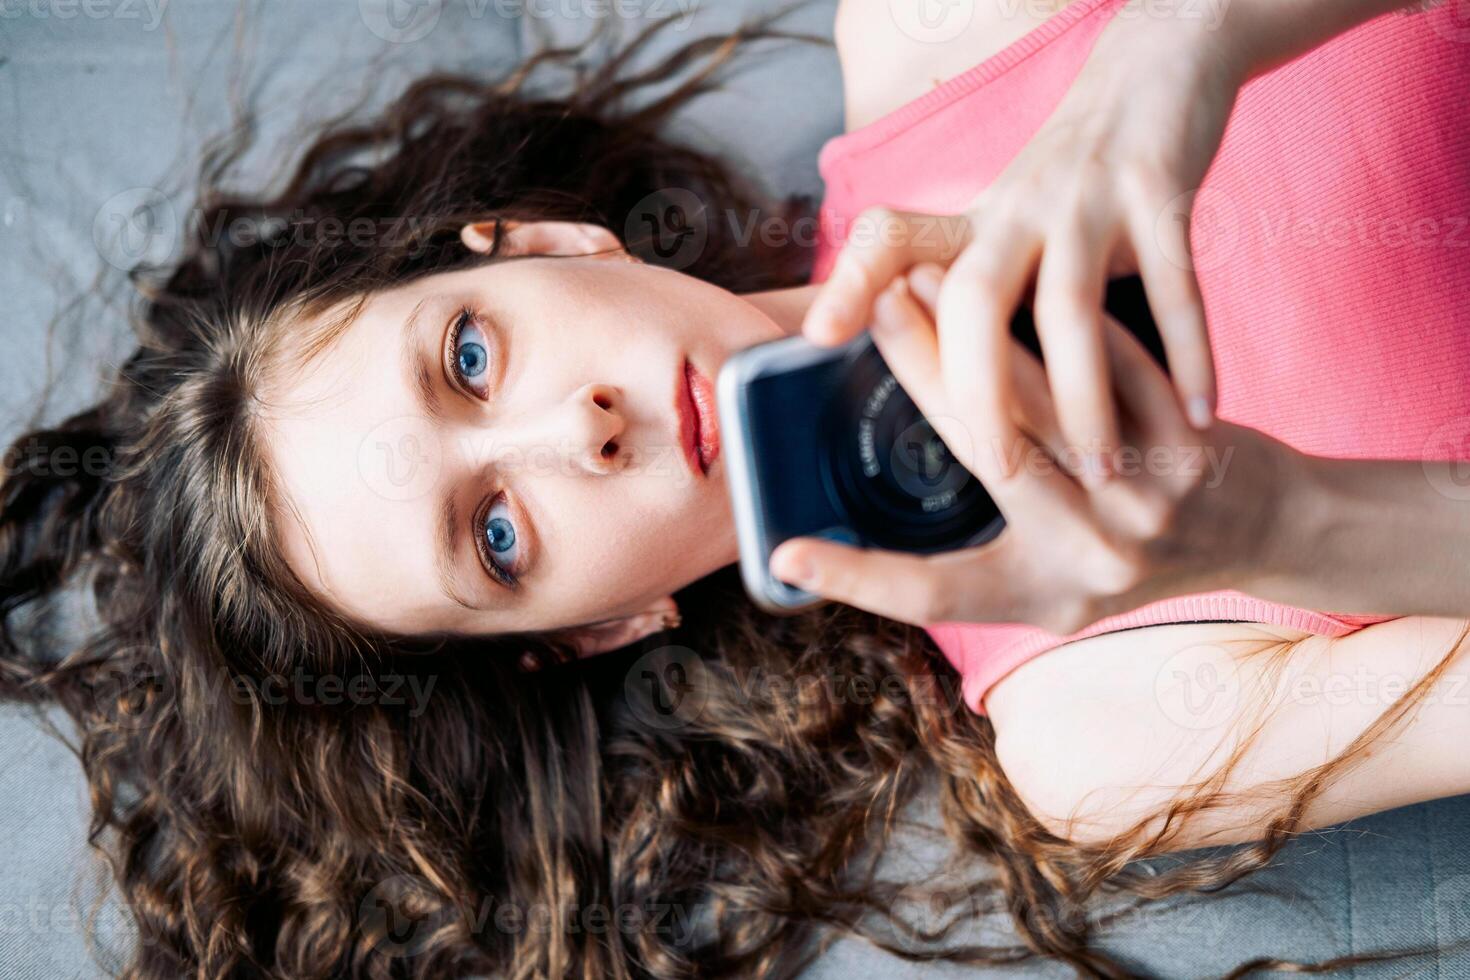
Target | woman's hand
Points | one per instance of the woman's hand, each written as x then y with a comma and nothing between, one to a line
1103,189
1106,188
1186,511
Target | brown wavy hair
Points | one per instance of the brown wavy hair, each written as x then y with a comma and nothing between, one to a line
283,794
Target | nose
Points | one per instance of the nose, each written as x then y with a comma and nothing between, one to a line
592,423
581,433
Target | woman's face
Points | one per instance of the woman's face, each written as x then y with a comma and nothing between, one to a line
514,447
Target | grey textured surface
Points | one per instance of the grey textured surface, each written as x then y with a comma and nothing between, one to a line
1393,881
104,104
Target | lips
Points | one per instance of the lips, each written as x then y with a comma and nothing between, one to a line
699,431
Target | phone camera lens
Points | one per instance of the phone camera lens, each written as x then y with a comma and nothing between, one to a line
892,474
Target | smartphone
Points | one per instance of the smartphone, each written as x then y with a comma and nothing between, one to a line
824,442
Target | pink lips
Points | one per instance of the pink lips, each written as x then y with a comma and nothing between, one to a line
699,431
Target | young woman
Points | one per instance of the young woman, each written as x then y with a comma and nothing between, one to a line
476,439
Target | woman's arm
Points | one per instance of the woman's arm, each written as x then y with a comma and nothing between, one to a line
1267,33
1382,537
1102,733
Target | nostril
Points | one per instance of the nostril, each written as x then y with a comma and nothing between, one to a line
610,449
602,401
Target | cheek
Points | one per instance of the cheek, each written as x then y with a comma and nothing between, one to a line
638,542
622,577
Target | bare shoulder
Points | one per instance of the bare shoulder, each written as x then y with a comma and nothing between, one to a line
1103,732
892,53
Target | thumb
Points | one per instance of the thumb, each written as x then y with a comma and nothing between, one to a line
894,584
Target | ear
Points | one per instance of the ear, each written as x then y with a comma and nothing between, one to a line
614,634
543,238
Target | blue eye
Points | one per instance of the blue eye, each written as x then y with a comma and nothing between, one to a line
470,354
500,538
471,360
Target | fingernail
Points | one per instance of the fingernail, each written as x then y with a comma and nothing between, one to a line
1200,415
792,570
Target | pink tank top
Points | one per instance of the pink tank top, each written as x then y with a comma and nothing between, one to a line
1331,247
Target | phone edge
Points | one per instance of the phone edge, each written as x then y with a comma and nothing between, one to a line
738,371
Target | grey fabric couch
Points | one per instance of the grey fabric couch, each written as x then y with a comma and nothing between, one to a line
102,106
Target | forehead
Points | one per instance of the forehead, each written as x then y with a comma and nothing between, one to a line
351,450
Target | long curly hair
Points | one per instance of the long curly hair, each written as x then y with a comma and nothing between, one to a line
281,793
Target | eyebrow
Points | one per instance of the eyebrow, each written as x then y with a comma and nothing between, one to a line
447,527
419,372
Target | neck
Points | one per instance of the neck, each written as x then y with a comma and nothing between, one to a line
785,307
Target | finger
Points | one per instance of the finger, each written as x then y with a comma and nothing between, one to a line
1035,409
1069,298
1033,399
903,331
924,281
1143,388
904,334
910,588
884,244
977,301
1178,308
1153,405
